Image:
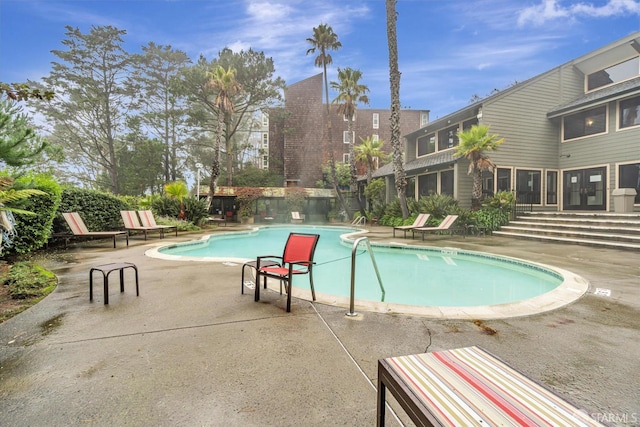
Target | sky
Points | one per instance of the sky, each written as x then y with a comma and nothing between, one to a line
449,50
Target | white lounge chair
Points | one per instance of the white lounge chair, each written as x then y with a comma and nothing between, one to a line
420,221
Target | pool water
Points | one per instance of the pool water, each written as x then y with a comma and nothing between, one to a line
410,275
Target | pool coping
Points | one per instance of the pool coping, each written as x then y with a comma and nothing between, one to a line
572,288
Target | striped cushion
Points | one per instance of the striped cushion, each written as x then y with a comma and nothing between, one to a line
130,219
75,222
468,386
147,218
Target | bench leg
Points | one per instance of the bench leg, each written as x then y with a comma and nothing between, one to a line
106,288
381,403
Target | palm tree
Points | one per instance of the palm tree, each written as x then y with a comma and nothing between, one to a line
10,195
225,84
323,41
368,150
474,142
394,83
177,190
350,92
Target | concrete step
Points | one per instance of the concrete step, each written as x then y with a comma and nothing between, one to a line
607,235
570,240
579,227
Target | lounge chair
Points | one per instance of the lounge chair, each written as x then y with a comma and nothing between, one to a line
148,220
298,253
420,221
80,231
444,225
131,223
297,218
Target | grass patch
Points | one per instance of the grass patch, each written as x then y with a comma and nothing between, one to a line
23,285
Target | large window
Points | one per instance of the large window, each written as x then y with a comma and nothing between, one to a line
629,177
504,180
629,112
448,138
614,74
469,123
528,186
427,145
265,140
585,123
427,184
446,182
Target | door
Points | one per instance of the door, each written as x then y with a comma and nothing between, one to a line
585,189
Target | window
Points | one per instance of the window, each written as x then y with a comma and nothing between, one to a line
411,187
448,138
469,123
265,162
528,186
265,120
428,184
345,158
487,183
347,136
552,187
376,120
346,119
585,123
427,145
265,140
446,182
629,177
614,74
424,119
504,179
375,137
629,112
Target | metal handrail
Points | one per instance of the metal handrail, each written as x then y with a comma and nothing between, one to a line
359,220
353,273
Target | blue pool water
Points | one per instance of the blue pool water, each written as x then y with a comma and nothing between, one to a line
410,275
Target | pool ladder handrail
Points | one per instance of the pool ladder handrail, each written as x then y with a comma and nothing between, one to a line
356,243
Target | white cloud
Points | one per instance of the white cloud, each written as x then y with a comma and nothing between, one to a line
549,10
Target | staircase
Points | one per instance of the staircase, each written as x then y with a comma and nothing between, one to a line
611,230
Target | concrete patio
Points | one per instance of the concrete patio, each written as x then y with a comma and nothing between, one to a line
191,350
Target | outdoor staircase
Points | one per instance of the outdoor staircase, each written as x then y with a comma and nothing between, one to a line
611,230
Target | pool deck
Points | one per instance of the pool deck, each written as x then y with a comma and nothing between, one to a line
191,350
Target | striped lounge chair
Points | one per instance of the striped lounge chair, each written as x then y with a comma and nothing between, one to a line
148,220
470,387
80,231
420,221
131,223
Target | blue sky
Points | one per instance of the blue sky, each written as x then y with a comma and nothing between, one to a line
449,50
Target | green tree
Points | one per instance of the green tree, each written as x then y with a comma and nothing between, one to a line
177,190
94,100
19,144
400,175
350,93
254,73
23,92
163,108
473,145
367,151
323,41
224,83
140,167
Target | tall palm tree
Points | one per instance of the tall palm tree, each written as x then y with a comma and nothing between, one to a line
368,150
473,145
394,83
350,93
225,84
323,41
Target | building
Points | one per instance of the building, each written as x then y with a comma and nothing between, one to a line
572,137
296,149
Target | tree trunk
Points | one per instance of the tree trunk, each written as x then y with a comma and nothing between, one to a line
394,82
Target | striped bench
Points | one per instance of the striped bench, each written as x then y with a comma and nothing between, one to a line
470,387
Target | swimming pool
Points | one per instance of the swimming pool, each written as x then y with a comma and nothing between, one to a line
445,280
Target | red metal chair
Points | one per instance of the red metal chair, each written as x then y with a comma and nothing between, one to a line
297,258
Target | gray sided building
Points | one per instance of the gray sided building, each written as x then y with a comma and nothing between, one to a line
572,137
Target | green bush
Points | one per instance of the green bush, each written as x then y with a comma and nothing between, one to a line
495,211
100,211
195,210
33,231
26,280
165,206
438,205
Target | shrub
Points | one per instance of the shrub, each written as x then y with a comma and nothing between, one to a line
438,205
195,210
26,280
33,231
99,210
